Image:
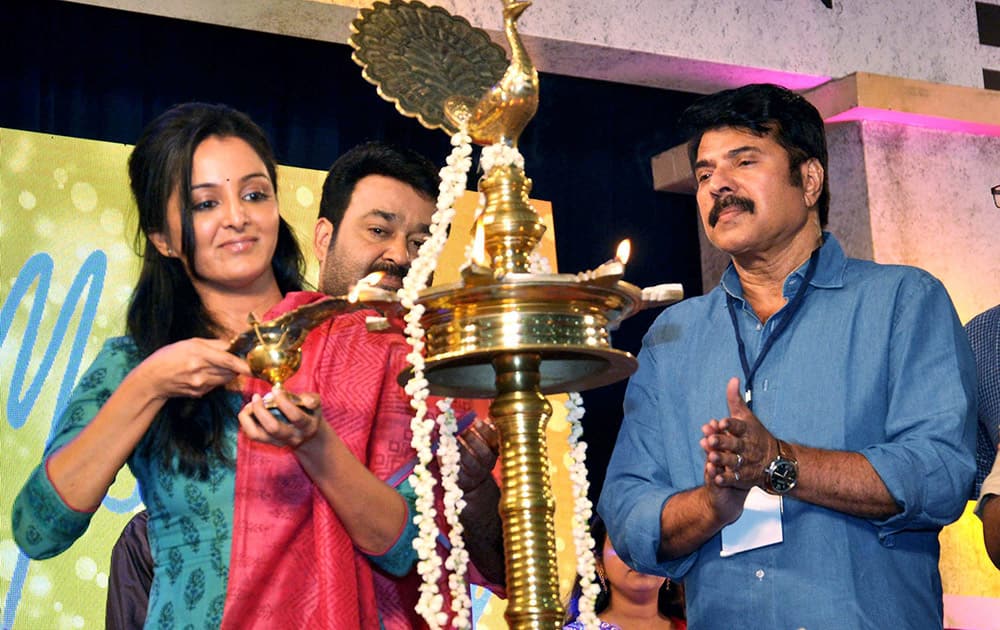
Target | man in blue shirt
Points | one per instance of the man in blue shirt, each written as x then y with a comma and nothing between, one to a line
794,440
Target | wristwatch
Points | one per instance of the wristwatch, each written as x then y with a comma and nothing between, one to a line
781,474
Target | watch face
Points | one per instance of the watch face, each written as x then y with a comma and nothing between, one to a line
784,474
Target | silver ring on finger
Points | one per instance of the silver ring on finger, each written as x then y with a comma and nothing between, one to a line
736,475
739,462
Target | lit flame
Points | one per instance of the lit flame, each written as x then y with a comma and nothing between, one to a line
623,252
367,282
479,245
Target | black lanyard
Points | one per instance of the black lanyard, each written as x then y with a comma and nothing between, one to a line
793,306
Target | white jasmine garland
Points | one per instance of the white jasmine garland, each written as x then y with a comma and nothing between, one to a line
538,263
458,558
429,606
500,155
582,511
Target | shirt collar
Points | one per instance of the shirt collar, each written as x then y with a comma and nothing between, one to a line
832,264
829,269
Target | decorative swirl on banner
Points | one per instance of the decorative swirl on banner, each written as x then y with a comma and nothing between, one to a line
39,266
21,400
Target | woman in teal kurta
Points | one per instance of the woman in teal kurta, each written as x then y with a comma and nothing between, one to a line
168,400
190,525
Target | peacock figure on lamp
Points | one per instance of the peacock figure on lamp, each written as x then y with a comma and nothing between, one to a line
505,110
505,331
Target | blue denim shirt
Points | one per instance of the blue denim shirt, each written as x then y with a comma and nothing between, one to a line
875,361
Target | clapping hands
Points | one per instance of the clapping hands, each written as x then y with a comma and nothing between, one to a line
737,450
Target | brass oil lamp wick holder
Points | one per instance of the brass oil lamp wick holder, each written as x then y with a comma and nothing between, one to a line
273,349
274,359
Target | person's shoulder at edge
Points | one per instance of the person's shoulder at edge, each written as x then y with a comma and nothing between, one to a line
986,321
869,270
890,282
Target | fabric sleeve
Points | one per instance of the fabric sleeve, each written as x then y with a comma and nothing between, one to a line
984,337
927,462
130,576
43,524
638,483
400,558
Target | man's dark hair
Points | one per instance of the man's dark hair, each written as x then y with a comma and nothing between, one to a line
762,109
374,158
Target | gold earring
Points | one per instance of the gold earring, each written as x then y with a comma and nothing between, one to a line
170,251
602,578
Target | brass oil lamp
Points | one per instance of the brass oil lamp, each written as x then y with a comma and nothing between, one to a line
502,332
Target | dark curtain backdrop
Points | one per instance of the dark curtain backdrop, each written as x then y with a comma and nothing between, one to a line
89,72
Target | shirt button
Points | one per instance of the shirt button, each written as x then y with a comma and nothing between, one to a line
759,325
760,574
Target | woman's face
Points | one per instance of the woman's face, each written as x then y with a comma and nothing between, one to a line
234,216
632,584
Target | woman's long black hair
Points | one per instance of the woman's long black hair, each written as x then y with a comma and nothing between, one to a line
165,307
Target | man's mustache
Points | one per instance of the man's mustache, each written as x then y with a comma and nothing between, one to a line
389,269
724,202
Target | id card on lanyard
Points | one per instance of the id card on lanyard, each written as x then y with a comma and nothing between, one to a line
760,523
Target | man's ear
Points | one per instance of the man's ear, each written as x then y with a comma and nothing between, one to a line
159,241
322,233
813,177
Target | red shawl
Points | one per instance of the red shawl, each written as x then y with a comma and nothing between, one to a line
292,563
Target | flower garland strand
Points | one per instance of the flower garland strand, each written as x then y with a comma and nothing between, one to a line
586,566
458,557
500,155
453,180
